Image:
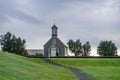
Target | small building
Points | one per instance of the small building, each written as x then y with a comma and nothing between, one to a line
55,47
35,51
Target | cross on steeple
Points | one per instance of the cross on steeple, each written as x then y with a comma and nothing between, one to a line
54,21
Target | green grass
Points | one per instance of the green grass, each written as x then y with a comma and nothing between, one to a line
14,67
98,68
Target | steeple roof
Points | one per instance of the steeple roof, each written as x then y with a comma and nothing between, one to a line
54,26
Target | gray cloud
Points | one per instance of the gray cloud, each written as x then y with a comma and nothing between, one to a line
89,20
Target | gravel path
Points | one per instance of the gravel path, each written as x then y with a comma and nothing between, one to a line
79,74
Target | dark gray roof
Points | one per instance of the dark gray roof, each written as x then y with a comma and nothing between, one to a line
62,42
54,26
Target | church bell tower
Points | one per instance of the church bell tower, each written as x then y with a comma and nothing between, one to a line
54,31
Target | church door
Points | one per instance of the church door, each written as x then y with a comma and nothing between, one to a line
53,52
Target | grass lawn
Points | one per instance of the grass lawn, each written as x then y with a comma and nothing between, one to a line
98,68
14,67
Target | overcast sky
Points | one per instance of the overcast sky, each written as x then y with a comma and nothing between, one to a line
87,20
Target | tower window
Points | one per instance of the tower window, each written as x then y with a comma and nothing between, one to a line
54,31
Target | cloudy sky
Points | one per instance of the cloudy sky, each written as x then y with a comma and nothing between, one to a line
87,20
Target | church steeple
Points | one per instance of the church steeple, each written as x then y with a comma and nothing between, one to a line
54,31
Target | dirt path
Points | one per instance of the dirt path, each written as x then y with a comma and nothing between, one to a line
77,72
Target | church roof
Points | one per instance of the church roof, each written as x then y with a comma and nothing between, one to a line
62,42
58,40
54,26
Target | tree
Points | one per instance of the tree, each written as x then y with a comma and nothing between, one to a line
71,44
5,42
11,43
107,48
75,47
86,49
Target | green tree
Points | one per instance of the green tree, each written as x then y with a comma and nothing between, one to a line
11,43
86,49
5,42
71,44
107,48
75,47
